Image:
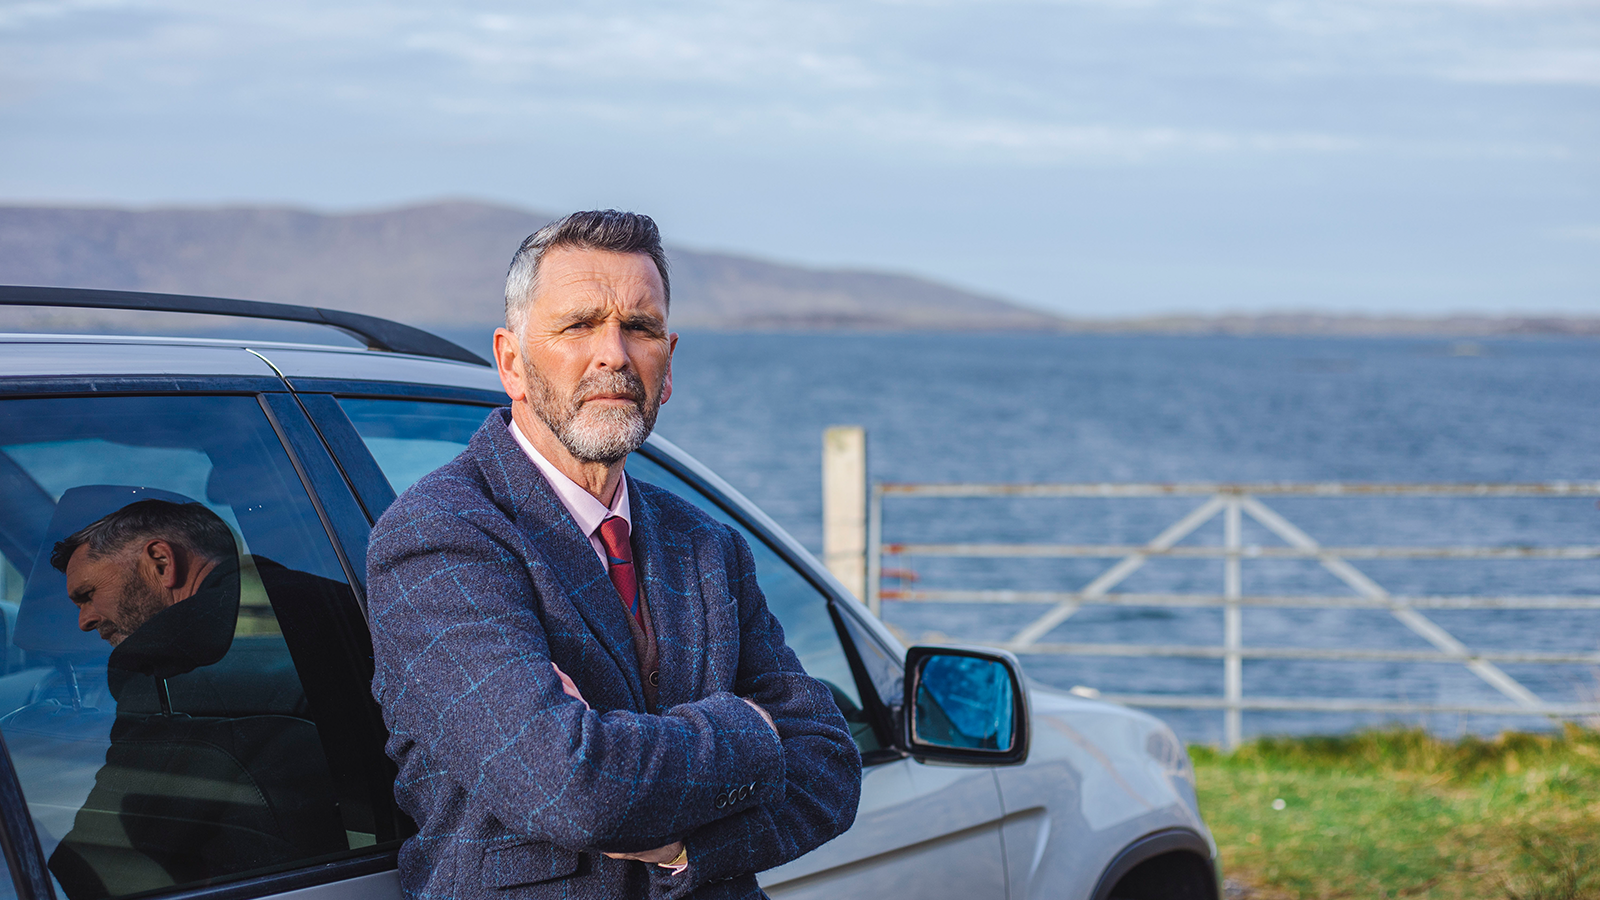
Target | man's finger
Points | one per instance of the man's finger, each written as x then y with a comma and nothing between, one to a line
764,714
659,855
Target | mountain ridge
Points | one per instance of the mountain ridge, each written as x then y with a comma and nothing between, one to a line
440,263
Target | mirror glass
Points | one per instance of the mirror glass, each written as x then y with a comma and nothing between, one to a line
964,702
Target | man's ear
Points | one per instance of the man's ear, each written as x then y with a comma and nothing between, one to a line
160,562
508,360
666,383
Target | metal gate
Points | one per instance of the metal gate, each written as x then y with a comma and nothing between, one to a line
1234,502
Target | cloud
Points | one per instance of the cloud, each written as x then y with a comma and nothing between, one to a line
1534,67
1028,81
1585,233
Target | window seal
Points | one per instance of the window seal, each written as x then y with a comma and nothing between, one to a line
20,387
343,442
389,390
18,839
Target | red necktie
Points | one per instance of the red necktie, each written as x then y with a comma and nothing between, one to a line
614,534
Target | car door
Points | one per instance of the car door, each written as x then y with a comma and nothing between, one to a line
921,830
228,738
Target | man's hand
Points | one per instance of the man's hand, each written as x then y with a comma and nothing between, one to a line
571,690
753,705
656,856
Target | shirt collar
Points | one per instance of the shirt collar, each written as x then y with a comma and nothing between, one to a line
584,508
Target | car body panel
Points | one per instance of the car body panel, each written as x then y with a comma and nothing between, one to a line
912,816
1092,785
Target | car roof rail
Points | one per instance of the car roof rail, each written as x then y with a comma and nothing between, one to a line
378,334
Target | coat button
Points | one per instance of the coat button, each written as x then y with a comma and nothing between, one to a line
722,800
655,679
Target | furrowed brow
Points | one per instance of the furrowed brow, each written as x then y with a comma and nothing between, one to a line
647,321
576,316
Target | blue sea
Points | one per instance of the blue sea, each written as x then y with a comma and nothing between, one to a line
1052,408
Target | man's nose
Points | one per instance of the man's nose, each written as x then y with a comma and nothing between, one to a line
611,346
88,620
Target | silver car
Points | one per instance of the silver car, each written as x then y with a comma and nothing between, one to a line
236,751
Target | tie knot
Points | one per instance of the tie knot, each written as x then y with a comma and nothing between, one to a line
614,534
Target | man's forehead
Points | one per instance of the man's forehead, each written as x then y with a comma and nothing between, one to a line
571,277
80,565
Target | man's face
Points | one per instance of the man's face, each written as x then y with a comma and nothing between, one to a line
596,357
114,595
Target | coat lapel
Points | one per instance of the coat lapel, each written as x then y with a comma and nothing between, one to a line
553,539
671,583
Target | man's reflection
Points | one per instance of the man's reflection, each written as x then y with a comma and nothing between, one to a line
135,563
209,788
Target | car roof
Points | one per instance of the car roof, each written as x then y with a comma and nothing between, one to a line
58,355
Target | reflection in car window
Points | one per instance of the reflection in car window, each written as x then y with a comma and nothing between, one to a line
426,432
807,625
173,742
410,438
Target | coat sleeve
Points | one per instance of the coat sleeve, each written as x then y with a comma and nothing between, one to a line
821,763
463,674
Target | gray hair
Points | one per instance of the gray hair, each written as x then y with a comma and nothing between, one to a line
596,229
189,524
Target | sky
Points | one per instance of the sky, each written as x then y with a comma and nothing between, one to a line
1088,157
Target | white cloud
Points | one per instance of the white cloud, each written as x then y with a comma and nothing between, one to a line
1534,67
1586,233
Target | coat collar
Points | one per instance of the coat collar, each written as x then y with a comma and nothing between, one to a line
554,540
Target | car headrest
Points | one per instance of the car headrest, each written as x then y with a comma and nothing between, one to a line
47,620
187,635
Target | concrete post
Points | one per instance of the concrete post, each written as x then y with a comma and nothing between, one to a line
844,505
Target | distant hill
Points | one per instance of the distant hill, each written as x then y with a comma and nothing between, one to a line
441,263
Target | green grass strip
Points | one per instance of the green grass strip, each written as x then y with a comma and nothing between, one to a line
1402,814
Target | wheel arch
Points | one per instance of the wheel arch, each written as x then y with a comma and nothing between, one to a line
1157,863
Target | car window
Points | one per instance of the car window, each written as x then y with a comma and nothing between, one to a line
421,432
410,438
173,743
801,608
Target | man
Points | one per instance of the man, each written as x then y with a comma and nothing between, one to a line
125,568
199,791
586,693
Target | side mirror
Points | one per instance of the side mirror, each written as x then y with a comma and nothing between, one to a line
965,704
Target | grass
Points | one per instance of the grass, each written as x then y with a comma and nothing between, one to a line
1403,814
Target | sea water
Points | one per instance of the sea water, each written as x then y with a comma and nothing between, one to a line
1054,408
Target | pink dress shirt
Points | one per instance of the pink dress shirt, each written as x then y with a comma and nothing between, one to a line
587,511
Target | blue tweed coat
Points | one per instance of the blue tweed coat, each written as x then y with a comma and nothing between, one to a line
477,580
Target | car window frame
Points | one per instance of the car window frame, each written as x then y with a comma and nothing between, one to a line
19,841
340,435
334,501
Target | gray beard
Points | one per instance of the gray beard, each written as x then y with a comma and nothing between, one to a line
138,604
592,434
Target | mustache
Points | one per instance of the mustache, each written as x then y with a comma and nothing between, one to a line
625,384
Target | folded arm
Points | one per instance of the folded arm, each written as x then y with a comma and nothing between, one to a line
821,764
464,671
